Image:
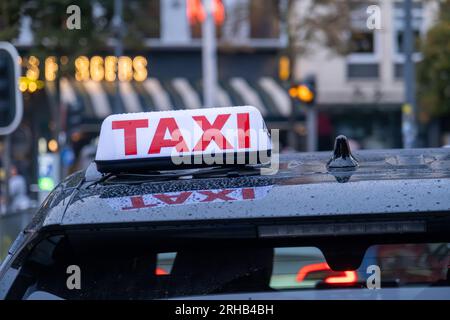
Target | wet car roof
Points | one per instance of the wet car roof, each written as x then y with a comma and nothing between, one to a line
385,182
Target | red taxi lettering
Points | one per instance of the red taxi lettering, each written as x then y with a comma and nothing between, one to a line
129,127
220,195
248,194
243,123
190,197
173,199
160,142
138,203
212,132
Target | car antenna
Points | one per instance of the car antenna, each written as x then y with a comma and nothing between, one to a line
342,155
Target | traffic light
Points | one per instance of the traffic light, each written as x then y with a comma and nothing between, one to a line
305,91
284,68
11,105
196,11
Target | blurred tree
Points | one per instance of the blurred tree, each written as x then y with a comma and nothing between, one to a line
10,12
142,20
327,23
264,21
434,69
305,22
53,37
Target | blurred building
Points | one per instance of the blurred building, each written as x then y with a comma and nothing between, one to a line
362,93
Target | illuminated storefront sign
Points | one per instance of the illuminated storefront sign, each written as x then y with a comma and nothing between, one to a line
110,68
94,68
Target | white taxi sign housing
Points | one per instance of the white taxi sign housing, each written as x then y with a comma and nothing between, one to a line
184,137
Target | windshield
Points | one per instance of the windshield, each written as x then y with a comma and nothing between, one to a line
158,270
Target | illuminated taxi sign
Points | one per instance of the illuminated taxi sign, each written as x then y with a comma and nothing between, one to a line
222,136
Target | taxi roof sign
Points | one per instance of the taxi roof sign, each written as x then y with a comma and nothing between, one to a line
221,136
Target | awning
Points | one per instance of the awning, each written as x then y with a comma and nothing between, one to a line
97,99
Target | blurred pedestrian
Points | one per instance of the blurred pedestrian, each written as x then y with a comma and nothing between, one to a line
18,191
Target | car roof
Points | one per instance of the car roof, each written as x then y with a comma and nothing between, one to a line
385,182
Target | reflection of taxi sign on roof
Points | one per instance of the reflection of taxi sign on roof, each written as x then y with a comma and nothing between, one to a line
235,135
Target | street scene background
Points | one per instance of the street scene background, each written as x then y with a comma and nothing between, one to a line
375,71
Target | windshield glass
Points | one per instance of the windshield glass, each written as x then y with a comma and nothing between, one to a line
131,270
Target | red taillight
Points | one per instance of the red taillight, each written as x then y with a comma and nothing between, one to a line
161,272
344,277
303,272
349,277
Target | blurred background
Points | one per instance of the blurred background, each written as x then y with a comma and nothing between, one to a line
376,71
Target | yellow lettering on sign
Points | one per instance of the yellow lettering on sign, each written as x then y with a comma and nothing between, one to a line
82,68
96,68
125,69
51,68
140,68
110,68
